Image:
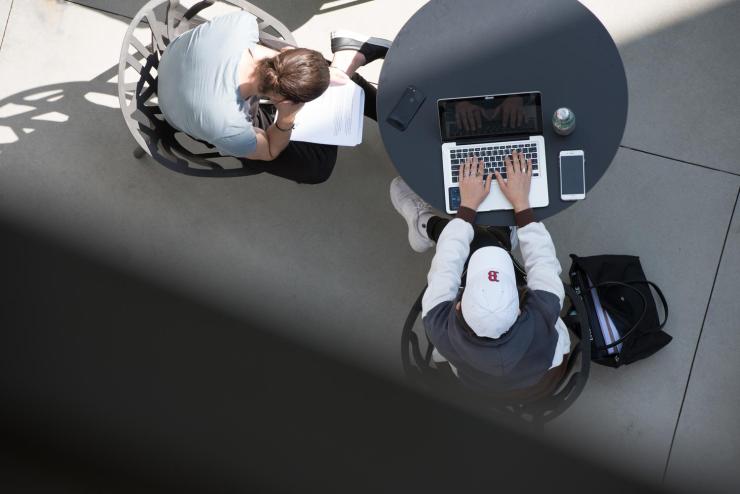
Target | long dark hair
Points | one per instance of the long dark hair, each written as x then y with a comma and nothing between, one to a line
299,75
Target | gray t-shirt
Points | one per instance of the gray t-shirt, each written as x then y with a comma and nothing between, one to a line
198,83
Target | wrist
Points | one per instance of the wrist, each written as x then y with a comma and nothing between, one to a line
521,206
285,124
466,214
469,205
524,218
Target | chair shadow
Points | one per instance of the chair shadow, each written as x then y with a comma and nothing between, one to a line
38,113
66,109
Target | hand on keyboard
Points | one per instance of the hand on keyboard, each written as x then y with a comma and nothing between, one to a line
519,178
474,185
493,157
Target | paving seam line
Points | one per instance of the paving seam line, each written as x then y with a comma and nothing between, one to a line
679,160
698,340
7,21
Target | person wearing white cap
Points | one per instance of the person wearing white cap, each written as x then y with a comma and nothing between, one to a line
495,335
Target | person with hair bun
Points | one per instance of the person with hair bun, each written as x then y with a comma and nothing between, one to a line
212,77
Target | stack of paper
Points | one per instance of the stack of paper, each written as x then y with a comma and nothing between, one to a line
335,117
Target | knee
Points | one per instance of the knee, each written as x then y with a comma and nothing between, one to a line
318,176
322,169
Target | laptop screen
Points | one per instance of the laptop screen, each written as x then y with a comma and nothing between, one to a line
491,117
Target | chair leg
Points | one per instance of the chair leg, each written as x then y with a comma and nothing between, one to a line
139,152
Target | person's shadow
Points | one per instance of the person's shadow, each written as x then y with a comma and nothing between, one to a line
295,13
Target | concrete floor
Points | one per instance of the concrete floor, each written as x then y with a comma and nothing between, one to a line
247,245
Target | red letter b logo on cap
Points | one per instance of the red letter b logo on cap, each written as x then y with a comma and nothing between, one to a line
493,276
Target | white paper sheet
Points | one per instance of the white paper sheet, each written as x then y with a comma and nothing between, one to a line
335,117
608,328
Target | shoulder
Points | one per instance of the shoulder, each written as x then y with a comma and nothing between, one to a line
436,319
221,35
241,19
543,302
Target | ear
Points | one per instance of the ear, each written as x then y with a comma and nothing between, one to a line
458,306
286,48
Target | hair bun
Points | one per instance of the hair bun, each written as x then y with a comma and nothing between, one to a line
271,74
298,74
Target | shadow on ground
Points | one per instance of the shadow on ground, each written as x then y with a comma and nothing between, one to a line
331,263
39,112
262,246
292,13
112,384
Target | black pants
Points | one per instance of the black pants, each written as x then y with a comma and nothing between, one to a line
493,236
307,162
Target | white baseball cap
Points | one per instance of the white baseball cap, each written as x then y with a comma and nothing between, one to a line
490,301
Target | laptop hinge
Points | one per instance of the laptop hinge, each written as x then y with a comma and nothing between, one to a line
488,140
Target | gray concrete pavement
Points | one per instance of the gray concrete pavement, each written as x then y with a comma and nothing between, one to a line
680,106
636,210
707,443
4,11
334,257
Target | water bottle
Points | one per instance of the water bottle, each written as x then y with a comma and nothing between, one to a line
563,121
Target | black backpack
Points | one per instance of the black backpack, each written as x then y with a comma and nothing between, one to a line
621,309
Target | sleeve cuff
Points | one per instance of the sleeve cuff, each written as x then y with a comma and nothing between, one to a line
523,218
466,214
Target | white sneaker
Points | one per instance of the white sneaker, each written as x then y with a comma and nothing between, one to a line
415,211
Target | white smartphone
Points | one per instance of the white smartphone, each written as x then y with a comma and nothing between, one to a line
572,175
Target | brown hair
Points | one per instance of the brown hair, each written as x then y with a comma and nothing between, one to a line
299,75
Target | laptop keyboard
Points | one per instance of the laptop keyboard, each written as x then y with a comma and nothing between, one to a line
493,157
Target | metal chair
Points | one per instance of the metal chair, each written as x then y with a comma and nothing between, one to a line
151,30
418,368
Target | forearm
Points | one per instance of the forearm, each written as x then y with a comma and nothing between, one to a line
278,139
444,275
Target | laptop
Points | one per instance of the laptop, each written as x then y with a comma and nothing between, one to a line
491,127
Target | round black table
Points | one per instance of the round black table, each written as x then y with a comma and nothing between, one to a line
457,48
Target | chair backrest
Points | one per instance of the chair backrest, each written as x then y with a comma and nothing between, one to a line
416,361
151,30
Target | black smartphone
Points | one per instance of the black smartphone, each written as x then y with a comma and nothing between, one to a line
454,196
404,111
